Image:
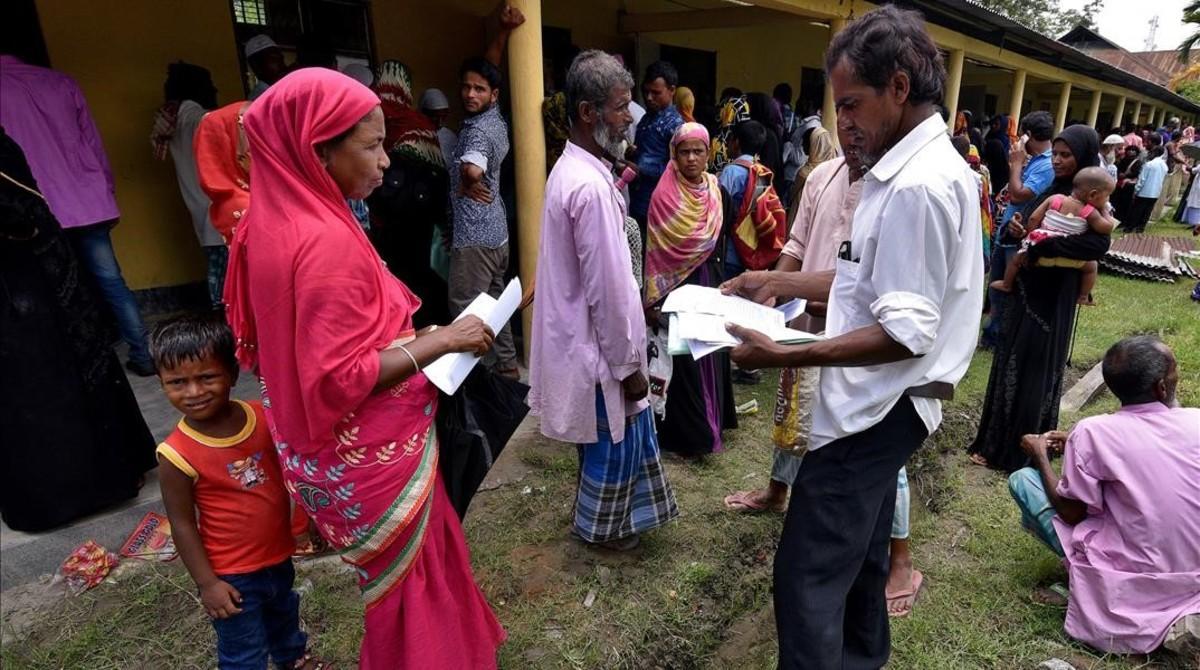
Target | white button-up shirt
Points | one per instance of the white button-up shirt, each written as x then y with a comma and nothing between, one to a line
914,269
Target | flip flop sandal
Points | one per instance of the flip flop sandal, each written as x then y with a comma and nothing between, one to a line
303,662
743,502
906,596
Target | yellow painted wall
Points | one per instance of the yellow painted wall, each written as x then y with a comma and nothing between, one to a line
757,58
119,56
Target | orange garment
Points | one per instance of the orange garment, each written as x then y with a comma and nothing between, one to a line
242,505
223,166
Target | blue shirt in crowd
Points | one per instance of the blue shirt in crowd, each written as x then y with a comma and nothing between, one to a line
483,142
733,180
1150,182
1037,175
653,142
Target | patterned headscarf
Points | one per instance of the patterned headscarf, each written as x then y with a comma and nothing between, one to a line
683,224
733,112
408,130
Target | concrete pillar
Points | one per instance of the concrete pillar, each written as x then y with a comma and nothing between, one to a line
529,145
1137,114
1094,110
1064,101
1018,94
1119,114
828,109
954,84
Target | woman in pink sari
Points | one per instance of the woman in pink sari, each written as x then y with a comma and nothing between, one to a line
329,330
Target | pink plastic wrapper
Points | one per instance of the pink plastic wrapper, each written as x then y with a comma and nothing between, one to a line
87,566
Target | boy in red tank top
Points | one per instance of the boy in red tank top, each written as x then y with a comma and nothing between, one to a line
225,497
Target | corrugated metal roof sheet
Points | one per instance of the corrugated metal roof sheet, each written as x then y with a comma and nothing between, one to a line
1151,257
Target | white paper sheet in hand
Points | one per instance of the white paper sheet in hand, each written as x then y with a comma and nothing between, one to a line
448,372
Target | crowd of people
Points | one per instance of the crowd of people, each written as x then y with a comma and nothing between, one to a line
346,226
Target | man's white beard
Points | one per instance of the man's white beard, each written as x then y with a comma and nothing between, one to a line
611,143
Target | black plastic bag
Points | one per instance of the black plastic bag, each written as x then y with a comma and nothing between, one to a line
473,426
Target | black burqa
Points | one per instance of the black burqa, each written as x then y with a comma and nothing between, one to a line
1026,380
72,438
408,209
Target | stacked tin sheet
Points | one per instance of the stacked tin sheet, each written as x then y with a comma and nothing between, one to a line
1152,257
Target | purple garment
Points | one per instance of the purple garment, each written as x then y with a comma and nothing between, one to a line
1134,562
588,326
44,111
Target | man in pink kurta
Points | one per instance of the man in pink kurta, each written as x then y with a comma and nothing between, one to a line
588,359
1126,511
44,111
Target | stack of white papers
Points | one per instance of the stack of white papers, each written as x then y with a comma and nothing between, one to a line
448,372
697,317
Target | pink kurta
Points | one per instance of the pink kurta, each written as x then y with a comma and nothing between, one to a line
588,326
1134,562
823,221
44,111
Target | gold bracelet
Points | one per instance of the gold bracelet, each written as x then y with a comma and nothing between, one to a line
412,358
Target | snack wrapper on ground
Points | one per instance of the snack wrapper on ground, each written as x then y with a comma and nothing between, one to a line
87,566
151,540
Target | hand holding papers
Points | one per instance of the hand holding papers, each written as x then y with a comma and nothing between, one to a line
448,372
698,316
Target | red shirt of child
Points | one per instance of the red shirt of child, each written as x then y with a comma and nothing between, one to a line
242,506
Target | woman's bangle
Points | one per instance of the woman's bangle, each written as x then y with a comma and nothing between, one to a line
416,365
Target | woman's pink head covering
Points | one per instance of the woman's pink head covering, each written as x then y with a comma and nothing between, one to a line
308,298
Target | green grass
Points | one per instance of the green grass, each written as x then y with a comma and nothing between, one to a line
698,592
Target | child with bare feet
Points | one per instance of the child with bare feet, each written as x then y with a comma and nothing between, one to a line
1061,216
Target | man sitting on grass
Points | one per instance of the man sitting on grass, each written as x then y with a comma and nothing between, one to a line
1125,515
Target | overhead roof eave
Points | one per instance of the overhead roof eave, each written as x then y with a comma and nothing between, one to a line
969,18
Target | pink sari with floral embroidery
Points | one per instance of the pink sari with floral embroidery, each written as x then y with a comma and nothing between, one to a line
312,306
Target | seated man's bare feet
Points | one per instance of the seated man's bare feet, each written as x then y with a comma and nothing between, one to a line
1086,300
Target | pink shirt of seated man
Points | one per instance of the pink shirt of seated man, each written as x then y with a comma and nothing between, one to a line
1134,561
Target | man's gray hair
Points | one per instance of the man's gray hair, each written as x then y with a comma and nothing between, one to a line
1134,366
592,77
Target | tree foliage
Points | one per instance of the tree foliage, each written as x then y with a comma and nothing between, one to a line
1191,16
1190,90
1047,17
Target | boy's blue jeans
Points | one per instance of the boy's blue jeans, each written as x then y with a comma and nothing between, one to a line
269,622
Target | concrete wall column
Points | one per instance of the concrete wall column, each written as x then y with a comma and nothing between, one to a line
1064,101
1137,114
954,84
529,145
1119,114
828,109
1094,110
1018,94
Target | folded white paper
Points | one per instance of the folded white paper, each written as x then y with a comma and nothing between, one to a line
448,372
698,318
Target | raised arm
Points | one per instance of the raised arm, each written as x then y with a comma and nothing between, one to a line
510,18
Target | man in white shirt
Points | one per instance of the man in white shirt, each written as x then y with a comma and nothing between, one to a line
904,306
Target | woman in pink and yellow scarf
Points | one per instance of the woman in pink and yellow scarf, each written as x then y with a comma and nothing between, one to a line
683,235
330,331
